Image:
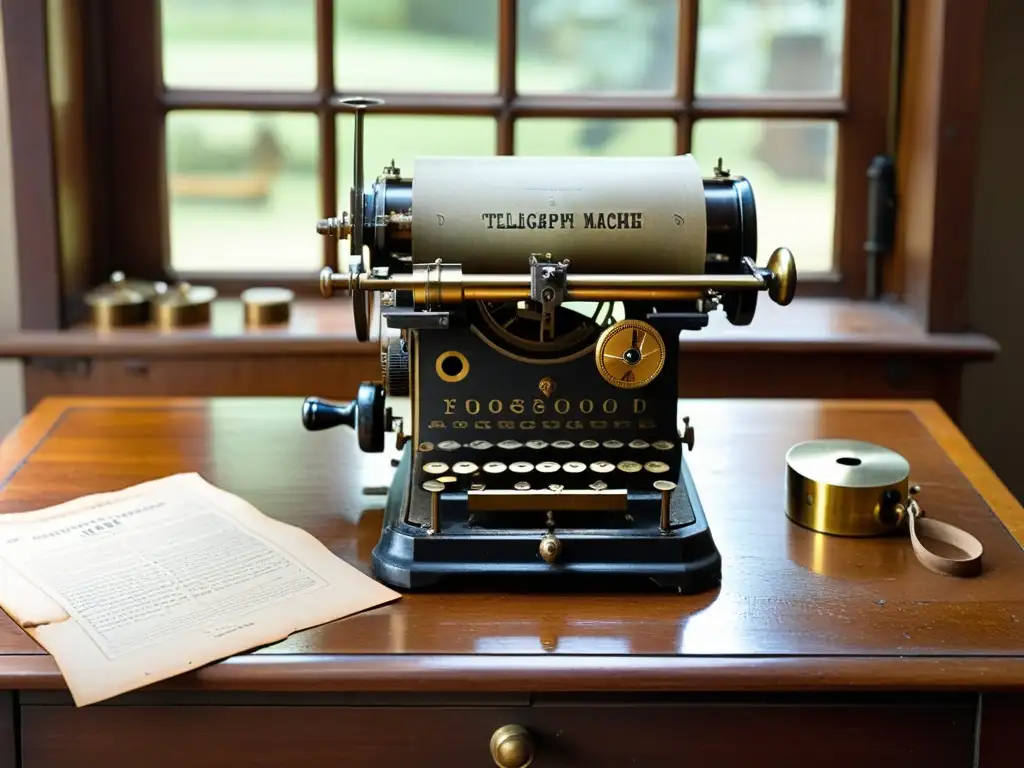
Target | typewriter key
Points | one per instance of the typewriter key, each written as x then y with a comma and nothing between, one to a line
657,467
556,488
639,445
589,444
509,445
598,485
548,467
574,467
426,447
435,467
563,444
447,479
521,467
494,467
663,445
522,485
536,444
602,467
434,486
480,445
477,487
449,445
630,466
613,444
464,468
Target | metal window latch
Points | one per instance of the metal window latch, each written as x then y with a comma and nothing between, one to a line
881,219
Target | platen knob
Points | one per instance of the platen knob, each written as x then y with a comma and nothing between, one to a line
512,747
782,276
365,414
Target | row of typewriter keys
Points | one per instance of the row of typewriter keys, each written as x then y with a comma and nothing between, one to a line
512,445
544,467
612,462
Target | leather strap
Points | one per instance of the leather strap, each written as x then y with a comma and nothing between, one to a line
964,567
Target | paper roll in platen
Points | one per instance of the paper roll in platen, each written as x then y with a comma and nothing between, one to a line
129,588
605,215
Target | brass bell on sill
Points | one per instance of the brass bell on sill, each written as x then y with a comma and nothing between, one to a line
183,306
122,302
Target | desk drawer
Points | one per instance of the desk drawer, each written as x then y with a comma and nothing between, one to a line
590,736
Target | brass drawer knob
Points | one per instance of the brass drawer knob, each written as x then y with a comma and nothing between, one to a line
512,747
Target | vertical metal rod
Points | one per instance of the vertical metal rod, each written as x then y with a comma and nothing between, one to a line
666,487
434,488
356,201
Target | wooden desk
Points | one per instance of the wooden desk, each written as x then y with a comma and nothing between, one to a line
814,650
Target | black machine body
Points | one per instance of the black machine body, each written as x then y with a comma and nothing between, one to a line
537,434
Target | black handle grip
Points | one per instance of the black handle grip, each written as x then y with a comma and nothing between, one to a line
318,414
365,414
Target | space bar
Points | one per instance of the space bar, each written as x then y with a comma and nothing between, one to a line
542,500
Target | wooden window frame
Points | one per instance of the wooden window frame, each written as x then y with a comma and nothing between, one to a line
84,209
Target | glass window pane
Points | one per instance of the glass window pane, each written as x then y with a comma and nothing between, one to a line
256,45
244,192
594,137
623,46
792,167
776,48
415,46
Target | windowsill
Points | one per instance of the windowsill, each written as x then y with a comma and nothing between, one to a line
321,327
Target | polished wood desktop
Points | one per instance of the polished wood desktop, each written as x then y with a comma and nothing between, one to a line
834,650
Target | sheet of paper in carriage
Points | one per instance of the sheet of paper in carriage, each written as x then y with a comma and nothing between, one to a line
132,587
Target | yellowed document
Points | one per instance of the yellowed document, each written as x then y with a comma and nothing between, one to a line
128,588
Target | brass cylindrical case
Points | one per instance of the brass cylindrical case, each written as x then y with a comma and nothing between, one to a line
184,306
121,302
108,315
267,306
846,487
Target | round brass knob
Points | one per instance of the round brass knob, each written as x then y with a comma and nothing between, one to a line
327,282
550,548
512,747
782,268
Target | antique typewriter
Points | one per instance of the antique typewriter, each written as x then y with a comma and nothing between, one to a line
530,311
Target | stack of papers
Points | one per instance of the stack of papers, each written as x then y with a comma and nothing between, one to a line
128,588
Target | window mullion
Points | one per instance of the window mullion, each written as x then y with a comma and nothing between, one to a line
328,140
506,74
686,61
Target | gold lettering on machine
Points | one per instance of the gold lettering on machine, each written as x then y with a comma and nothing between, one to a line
529,312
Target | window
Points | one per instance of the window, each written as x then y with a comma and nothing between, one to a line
220,172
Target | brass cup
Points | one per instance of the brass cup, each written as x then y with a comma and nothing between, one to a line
846,488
